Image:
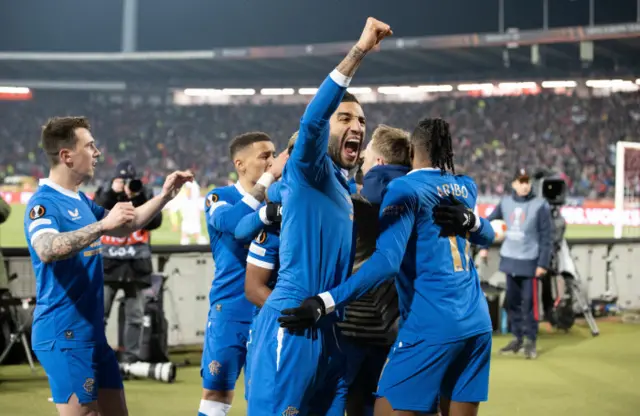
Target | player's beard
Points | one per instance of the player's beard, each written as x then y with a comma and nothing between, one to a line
335,151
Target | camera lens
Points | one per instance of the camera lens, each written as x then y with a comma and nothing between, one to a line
135,185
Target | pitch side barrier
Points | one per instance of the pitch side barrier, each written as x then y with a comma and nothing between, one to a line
604,266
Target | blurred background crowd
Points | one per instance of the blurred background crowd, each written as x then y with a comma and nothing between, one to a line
493,135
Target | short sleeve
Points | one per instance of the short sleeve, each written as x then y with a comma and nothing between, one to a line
97,210
40,217
263,251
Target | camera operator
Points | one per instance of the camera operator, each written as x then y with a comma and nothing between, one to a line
127,260
524,257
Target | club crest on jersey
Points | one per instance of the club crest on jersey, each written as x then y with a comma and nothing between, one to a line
214,368
37,211
262,237
211,199
291,411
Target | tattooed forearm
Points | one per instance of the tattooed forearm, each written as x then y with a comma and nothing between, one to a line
52,247
351,62
258,192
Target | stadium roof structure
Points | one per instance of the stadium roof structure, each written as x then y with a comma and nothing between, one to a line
467,57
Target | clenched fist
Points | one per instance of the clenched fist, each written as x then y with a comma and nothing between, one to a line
122,213
373,33
174,182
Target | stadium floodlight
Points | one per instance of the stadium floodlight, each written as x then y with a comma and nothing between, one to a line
559,84
238,91
307,91
359,90
14,90
202,92
277,91
475,87
517,85
627,190
606,83
435,88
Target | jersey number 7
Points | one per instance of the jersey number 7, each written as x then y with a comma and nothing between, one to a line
456,256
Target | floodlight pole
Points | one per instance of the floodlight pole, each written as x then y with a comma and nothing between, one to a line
501,16
129,25
545,14
592,12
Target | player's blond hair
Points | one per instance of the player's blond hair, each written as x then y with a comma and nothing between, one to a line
292,141
392,144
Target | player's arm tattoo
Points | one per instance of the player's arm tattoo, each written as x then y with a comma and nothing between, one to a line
351,62
52,247
258,192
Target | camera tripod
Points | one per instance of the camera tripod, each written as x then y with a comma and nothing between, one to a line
8,307
568,293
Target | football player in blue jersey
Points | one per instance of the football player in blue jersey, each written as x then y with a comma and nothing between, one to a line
63,229
294,373
230,312
442,353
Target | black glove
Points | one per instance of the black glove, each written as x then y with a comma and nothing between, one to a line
454,218
304,316
274,212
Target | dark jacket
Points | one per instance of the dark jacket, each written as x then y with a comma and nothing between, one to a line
130,270
372,319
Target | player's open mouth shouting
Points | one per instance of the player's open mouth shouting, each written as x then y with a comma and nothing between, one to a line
351,148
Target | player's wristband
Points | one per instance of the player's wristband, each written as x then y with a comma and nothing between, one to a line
266,179
339,78
477,224
263,215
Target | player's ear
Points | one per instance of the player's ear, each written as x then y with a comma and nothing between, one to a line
239,165
65,156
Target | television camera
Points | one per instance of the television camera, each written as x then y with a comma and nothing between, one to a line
563,297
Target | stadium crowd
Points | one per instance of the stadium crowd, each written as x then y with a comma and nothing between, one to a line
569,134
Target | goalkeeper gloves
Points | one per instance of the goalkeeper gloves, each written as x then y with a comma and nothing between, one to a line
304,316
274,212
454,218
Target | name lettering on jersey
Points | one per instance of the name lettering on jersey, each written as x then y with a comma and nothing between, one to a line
453,188
37,211
75,215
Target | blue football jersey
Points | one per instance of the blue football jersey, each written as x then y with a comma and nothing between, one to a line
224,208
69,293
438,290
264,252
317,214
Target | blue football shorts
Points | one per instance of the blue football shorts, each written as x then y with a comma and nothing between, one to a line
224,352
296,374
417,373
81,370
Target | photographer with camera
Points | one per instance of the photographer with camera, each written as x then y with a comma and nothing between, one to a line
525,256
127,260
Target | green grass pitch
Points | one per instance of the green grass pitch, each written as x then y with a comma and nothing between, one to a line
12,234
574,374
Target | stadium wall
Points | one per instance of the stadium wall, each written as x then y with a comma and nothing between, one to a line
605,266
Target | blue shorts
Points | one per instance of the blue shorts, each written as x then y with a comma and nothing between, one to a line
224,352
296,374
417,373
80,370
